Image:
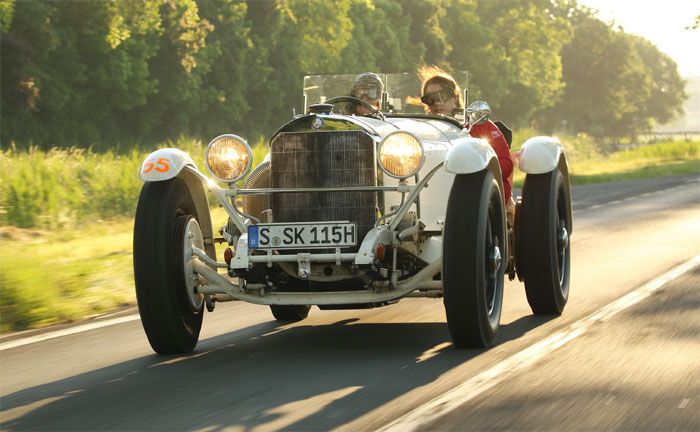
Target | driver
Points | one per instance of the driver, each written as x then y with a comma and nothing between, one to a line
368,87
442,96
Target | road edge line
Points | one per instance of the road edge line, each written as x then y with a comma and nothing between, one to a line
468,390
73,330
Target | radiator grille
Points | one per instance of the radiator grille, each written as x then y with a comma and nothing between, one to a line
324,159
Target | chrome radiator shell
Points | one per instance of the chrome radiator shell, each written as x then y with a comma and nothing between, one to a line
324,159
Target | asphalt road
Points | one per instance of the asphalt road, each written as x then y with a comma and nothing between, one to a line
363,370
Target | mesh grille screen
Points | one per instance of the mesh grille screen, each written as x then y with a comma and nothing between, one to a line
324,159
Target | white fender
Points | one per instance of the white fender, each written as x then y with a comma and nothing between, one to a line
468,155
540,155
164,164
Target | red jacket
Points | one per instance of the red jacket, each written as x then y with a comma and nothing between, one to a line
490,132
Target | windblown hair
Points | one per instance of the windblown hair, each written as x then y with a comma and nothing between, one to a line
431,74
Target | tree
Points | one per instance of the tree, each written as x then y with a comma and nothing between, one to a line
667,89
606,81
532,37
182,60
323,30
426,31
277,87
7,9
231,72
478,51
380,39
55,66
72,72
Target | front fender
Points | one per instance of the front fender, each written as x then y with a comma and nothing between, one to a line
540,155
164,164
468,155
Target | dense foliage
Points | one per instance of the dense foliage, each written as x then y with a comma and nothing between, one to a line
102,73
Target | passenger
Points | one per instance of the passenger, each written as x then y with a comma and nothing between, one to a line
442,96
368,86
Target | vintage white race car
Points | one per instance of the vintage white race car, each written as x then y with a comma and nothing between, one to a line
352,212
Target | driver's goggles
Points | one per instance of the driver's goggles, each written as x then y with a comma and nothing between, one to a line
371,93
440,96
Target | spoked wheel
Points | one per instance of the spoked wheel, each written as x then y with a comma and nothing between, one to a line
165,230
544,255
290,313
494,259
473,259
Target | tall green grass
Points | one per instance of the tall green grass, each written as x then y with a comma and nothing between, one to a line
666,158
67,187
588,164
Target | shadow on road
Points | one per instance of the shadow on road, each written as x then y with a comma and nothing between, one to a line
304,377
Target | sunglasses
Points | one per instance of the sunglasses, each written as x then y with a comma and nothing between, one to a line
371,93
440,96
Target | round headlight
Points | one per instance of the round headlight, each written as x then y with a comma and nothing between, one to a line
401,154
228,158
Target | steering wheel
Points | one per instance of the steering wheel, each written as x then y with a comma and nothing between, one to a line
374,112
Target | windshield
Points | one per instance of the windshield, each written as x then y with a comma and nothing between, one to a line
403,90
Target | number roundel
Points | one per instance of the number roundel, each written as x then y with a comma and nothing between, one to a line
161,165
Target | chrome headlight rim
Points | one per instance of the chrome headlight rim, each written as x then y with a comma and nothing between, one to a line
420,163
249,151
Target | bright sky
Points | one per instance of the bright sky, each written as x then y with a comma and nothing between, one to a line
661,22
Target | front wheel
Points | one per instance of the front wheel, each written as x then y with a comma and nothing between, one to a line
474,251
544,246
165,230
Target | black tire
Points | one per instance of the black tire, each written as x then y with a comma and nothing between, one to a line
544,255
290,313
473,278
171,322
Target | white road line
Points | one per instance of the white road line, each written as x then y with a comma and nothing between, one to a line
73,330
453,399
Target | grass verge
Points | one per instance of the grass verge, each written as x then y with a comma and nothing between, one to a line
50,277
663,159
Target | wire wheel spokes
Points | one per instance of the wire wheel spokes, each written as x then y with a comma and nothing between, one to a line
493,262
563,241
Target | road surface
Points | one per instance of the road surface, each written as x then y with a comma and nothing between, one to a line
605,364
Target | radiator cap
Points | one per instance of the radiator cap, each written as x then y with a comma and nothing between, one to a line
320,108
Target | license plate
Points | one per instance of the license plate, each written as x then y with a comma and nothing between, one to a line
302,235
